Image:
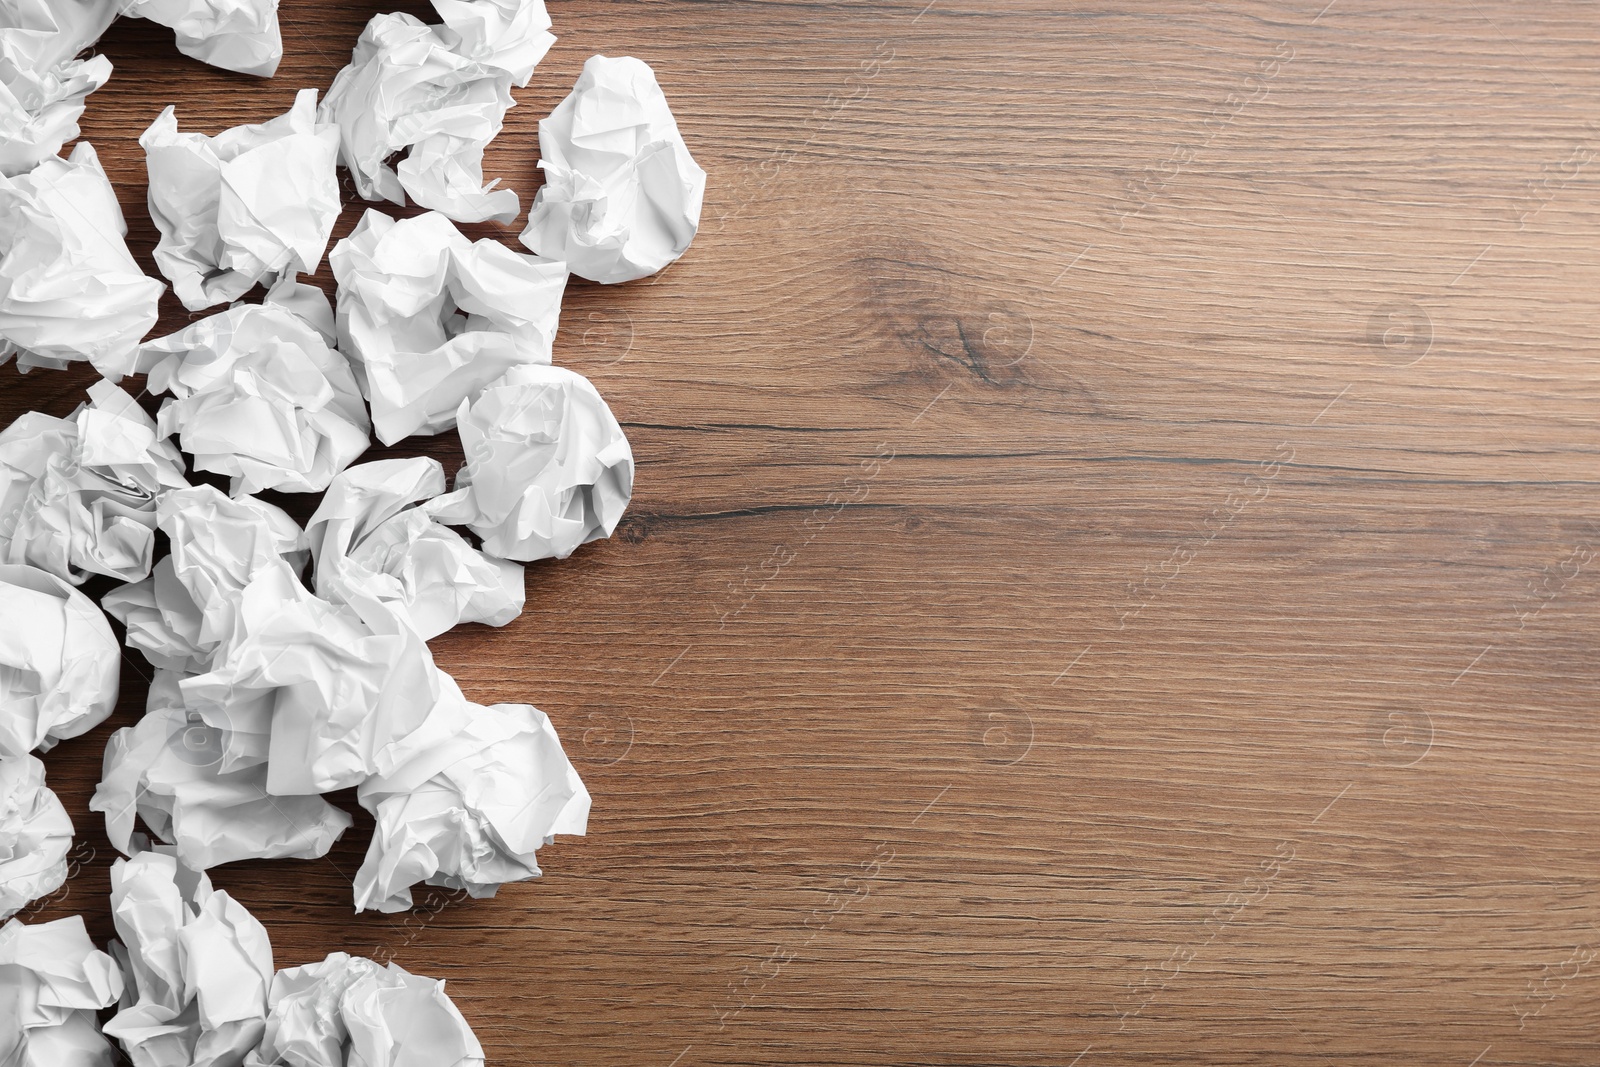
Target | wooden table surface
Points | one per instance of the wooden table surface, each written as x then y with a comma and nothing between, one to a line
1111,578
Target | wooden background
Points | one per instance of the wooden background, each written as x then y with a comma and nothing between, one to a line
1112,572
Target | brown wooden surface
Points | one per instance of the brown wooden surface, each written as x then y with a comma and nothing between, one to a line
1209,676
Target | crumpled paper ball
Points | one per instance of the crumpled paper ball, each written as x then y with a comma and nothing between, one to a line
198,966
348,1011
180,616
52,981
244,207
69,289
548,468
259,396
406,89
469,813
167,771
35,836
622,195
237,35
42,87
429,318
325,694
508,35
59,661
368,534
78,495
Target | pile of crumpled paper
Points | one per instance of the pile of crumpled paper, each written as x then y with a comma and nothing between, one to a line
292,662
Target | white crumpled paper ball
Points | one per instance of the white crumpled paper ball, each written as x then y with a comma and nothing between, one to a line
35,836
259,395
470,813
59,661
180,616
198,966
247,206
69,288
167,770
622,195
325,694
348,1011
78,495
405,88
548,468
508,35
369,535
52,981
237,35
429,318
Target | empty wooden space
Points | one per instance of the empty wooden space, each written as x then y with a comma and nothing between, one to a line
1112,573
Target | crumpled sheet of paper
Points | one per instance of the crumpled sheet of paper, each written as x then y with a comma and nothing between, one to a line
167,771
508,35
35,836
52,981
440,93
548,468
236,35
326,694
247,206
259,396
468,814
430,318
198,966
78,495
69,289
348,1011
180,615
42,85
59,662
622,195
369,535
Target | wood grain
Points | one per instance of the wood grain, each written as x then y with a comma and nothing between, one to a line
1110,578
